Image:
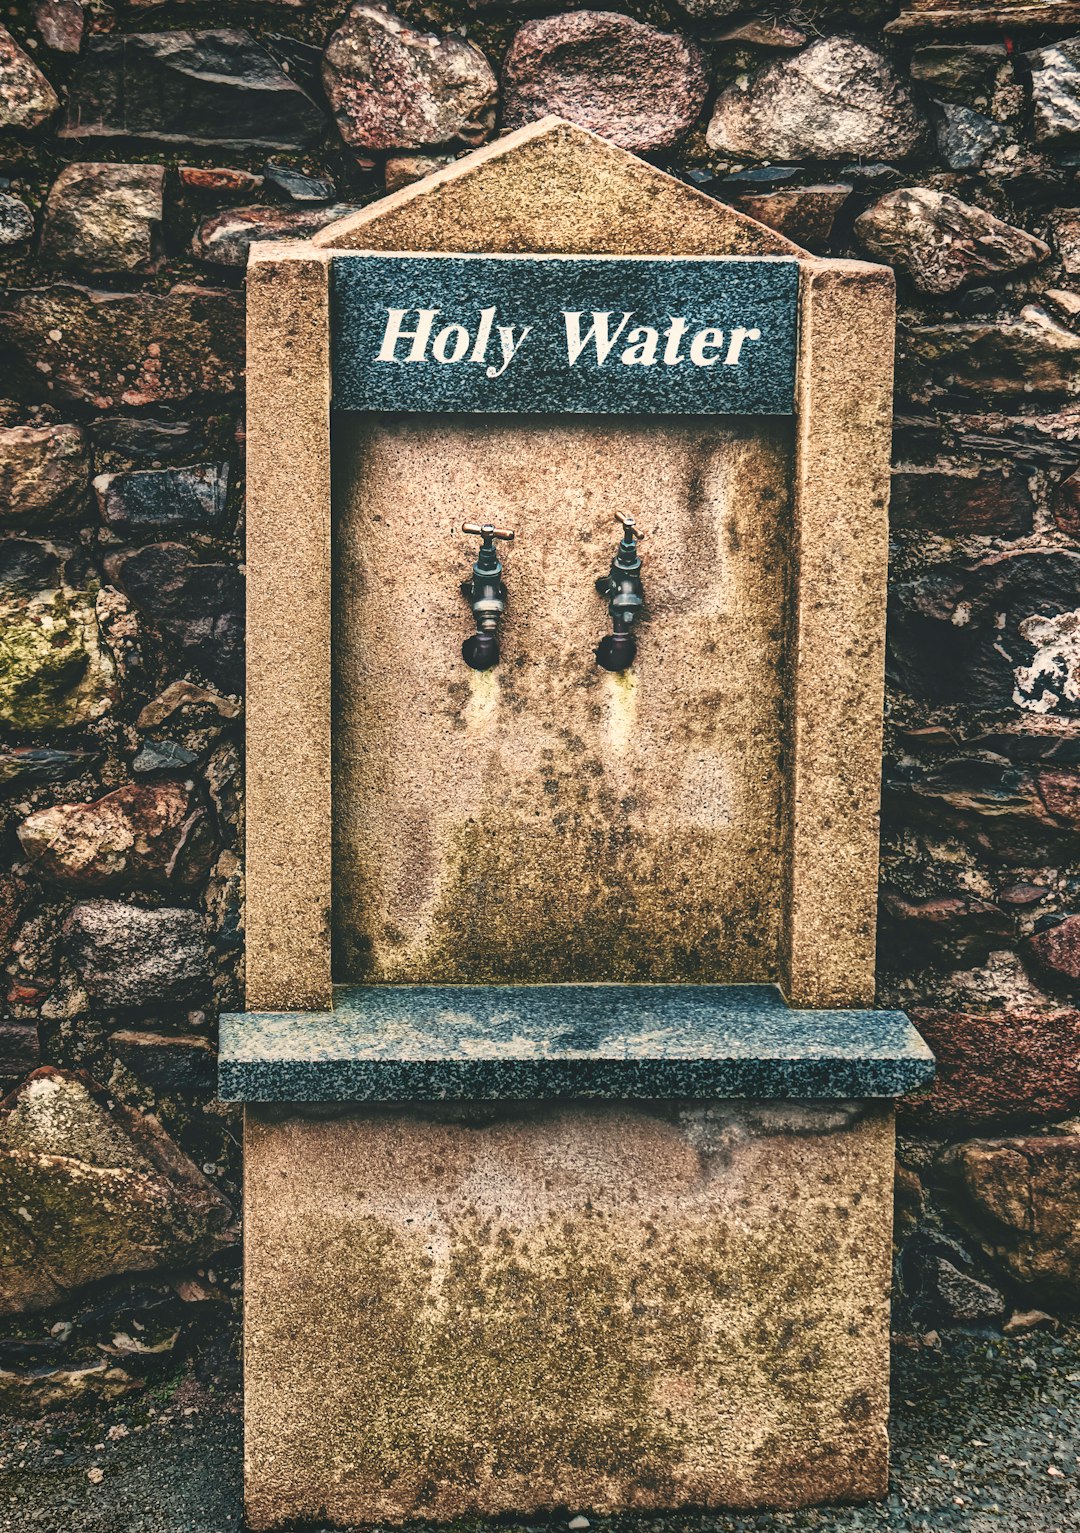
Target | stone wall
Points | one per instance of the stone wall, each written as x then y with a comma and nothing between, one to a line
142,147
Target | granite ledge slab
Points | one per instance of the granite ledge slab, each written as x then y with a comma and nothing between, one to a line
424,1043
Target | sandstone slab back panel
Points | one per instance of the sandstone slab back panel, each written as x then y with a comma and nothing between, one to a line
546,819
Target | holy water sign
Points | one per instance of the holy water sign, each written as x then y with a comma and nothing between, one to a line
627,335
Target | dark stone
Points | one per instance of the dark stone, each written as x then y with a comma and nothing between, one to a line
997,807
16,220
966,138
127,956
965,1298
181,1066
956,503
635,85
200,607
211,89
153,502
1023,439
20,1049
873,178
297,186
756,178
978,301
998,1067
535,1042
1066,505
225,238
958,71
29,766
995,636
1032,355
393,87
27,567
756,295
923,930
118,349
162,756
123,439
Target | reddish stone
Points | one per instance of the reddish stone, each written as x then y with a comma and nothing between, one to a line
1021,1199
1066,505
110,349
632,83
61,24
997,1066
968,926
1022,896
218,180
393,87
155,837
1060,792
1056,951
946,500
805,214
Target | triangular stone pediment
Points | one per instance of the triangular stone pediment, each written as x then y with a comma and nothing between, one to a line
553,187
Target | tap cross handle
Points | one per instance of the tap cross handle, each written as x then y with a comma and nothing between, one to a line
630,528
487,532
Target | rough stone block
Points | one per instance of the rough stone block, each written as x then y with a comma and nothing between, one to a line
604,1306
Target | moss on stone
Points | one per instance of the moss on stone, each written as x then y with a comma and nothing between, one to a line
54,673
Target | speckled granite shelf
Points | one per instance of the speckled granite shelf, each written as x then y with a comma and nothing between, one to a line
534,1042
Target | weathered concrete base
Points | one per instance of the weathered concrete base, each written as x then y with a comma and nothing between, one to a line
478,1310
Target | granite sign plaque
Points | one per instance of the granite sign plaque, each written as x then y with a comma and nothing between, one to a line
565,334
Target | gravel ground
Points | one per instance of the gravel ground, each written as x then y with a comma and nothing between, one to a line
986,1440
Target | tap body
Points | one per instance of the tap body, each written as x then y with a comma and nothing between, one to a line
622,589
486,595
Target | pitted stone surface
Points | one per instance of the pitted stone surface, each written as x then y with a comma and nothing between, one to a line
27,100
943,243
105,218
840,97
639,87
392,87
491,1043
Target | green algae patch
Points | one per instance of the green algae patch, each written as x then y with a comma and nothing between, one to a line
54,670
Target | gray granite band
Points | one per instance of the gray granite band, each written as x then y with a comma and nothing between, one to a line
538,1042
